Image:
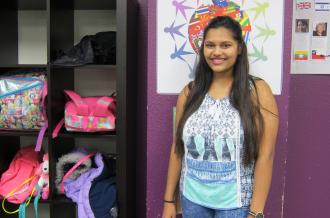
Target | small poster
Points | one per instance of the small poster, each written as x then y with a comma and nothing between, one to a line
302,25
310,44
303,5
320,28
322,5
301,55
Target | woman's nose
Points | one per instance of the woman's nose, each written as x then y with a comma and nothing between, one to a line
217,50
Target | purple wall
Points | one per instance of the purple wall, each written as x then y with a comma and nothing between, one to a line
159,125
307,192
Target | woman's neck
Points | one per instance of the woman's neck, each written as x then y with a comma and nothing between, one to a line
222,79
221,85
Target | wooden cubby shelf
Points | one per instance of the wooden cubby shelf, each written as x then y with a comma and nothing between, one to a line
59,22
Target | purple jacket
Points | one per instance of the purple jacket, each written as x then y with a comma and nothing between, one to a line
78,190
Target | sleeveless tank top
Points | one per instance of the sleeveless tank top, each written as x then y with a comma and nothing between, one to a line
213,174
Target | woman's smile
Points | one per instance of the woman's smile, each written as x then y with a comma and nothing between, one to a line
217,61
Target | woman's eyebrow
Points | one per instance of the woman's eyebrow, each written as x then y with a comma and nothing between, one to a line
226,41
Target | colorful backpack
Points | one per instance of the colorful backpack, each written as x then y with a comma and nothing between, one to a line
22,104
21,176
90,114
22,101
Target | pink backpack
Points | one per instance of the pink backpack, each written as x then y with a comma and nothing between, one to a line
21,176
90,114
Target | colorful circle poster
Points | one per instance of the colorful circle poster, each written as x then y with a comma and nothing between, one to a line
180,27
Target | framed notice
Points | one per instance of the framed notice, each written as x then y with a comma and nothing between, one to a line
310,37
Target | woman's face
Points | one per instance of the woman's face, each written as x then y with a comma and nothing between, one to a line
220,50
300,26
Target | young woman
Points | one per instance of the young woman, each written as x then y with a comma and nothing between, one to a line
227,124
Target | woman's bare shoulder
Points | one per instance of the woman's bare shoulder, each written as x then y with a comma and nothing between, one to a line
266,98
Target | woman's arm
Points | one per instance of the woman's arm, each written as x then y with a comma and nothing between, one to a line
264,163
174,166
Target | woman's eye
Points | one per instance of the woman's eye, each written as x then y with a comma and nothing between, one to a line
225,45
209,46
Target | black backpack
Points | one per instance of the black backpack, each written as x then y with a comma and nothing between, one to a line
92,49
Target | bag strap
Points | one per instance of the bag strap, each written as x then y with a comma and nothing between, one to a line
82,107
57,128
44,94
13,191
82,160
102,106
36,200
45,126
41,136
21,213
21,210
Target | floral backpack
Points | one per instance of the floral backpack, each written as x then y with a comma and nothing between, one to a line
22,104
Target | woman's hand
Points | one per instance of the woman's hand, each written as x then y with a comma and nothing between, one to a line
169,210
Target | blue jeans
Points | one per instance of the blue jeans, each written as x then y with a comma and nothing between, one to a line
192,210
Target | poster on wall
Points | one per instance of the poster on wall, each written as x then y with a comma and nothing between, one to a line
180,25
310,37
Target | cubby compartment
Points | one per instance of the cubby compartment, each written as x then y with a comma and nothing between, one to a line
79,19
24,36
63,147
10,144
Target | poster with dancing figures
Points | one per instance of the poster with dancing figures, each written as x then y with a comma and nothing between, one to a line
180,25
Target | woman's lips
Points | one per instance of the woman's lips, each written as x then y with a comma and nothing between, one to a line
217,61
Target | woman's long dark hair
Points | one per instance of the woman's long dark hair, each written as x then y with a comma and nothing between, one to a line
240,94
